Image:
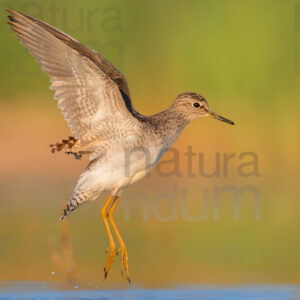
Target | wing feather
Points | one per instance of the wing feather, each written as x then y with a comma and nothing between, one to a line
94,56
87,96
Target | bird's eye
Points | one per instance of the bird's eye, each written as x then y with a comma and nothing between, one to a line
196,104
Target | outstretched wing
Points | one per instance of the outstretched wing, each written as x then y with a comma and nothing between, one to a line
91,93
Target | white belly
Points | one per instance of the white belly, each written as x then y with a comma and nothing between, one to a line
118,169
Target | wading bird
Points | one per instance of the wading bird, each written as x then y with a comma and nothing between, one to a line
123,145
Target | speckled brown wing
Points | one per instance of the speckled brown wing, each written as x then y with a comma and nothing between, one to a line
88,89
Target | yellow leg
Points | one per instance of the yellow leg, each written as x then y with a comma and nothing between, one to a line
112,246
123,249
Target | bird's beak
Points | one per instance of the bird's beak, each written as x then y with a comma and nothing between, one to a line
218,117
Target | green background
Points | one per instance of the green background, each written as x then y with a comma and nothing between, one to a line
244,58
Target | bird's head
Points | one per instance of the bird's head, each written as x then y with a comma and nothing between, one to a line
194,106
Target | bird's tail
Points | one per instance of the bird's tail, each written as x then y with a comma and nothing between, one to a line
66,144
76,200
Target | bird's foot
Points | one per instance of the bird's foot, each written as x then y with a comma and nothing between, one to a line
124,261
110,258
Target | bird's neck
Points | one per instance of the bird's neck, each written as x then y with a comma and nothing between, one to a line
169,123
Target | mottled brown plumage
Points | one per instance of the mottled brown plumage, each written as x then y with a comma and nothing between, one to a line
65,144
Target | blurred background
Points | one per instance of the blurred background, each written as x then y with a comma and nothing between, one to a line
228,213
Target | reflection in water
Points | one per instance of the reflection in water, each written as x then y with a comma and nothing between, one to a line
64,260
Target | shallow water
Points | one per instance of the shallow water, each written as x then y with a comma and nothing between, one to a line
27,290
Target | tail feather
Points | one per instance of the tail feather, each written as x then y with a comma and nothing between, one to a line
65,144
76,200
86,190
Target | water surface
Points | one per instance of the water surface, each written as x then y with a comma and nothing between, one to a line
30,290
